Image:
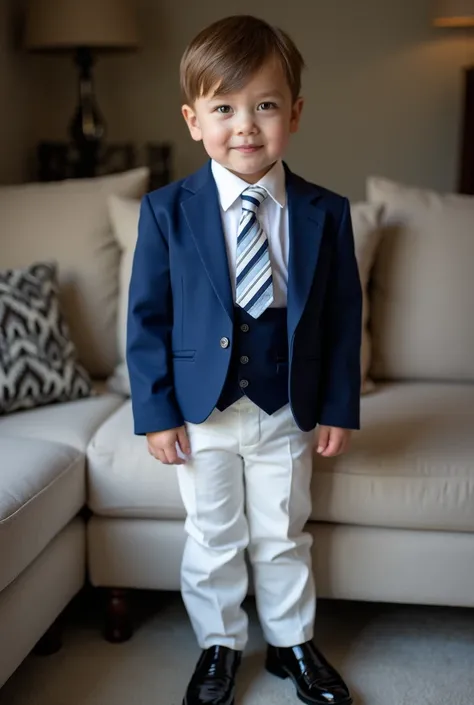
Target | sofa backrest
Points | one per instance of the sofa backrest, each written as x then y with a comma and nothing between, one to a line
422,293
68,222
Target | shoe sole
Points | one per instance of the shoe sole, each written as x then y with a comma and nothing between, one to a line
282,673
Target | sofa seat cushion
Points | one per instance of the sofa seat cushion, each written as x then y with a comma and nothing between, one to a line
411,465
72,423
42,487
124,480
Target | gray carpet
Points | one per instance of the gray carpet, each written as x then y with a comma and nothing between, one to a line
389,654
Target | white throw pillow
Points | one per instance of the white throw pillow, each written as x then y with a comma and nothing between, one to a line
68,222
423,285
124,214
366,226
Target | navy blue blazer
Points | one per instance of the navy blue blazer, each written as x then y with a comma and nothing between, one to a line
181,306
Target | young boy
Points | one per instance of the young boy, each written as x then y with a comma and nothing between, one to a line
243,335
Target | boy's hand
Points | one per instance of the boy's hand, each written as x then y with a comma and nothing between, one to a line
332,441
162,445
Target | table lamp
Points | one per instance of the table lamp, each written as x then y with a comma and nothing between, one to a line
83,28
460,14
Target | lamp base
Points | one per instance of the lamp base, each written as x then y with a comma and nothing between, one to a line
87,127
466,177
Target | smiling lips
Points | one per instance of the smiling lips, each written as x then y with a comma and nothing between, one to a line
248,148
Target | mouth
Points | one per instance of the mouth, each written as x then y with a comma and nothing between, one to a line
248,148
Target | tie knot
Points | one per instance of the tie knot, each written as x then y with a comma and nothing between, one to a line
253,197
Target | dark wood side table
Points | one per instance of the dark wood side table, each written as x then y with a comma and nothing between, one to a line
60,160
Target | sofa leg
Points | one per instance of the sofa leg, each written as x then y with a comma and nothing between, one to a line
118,623
50,642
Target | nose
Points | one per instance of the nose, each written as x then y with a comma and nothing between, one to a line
246,124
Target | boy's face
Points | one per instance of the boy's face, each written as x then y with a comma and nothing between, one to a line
247,131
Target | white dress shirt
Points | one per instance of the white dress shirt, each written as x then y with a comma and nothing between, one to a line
272,215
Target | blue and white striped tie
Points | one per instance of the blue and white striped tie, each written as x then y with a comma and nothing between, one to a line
254,283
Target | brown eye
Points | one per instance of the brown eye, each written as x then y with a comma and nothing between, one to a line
223,109
267,106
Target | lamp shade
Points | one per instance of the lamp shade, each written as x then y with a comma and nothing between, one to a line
69,24
454,13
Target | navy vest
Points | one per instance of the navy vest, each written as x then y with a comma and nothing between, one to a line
259,363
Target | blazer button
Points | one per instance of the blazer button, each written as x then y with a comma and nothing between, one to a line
244,360
244,328
224,342
244,383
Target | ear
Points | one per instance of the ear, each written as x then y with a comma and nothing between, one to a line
192,122
296,114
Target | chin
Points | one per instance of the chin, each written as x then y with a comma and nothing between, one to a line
252,166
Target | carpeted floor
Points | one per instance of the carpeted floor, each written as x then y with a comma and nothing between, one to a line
389,654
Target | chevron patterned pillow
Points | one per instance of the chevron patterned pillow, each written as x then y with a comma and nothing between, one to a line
38,363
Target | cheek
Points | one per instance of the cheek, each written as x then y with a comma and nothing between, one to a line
215,134
279,131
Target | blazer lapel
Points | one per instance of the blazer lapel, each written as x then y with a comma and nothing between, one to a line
202,212
306,224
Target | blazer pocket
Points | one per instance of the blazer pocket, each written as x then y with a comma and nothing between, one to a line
184,355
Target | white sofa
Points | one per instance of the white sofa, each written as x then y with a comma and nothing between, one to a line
393,520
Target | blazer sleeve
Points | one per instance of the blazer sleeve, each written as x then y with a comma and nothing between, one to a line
341,374
149,324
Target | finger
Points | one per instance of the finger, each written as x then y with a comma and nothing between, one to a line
171,454
334,446
153,451
346,444
159,455
183,441
323,438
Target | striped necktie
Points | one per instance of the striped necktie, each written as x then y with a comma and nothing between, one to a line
254,284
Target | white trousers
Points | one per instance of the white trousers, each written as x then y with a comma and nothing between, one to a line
247,486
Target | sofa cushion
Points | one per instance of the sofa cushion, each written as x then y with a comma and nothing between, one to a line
124,479
68,222
73,423
411,465
423,289
38,362
366,226
124,215
42,487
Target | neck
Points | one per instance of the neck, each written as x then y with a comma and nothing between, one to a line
253,178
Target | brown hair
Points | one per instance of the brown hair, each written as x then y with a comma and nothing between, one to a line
227,54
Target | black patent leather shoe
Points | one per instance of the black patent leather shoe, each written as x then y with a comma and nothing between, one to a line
213,681
316,681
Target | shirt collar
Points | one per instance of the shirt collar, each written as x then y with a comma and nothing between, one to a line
230,186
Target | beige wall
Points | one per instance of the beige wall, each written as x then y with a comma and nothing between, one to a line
382,88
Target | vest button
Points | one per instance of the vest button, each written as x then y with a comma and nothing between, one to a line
244,383
224,343
244,328
244,359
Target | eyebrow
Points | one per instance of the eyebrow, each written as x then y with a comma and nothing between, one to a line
264,94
